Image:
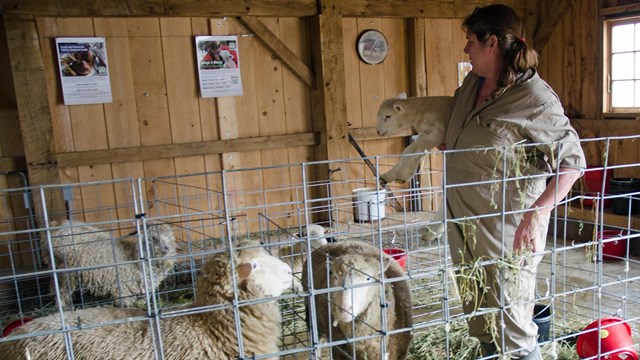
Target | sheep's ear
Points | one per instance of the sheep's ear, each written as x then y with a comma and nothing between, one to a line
402,95
386,261
398,107
244,270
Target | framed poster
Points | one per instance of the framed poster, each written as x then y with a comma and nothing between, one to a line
372,47
218,66
84,70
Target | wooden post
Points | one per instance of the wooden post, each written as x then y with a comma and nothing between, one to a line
33,110
329,100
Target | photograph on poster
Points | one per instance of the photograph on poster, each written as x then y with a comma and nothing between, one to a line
84,71
218,66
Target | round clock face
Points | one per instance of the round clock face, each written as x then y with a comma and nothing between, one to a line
372,47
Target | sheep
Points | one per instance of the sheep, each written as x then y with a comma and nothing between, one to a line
196,335
77,245
356,310
228,59
295,254
429,117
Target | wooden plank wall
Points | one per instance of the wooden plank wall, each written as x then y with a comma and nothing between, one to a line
570,63
157,102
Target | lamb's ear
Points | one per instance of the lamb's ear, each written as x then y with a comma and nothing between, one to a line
398,107
244,270
402,95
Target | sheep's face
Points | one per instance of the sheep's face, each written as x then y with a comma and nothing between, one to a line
359,279
271,273
162,239
390,116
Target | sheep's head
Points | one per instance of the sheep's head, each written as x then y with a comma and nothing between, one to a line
257,274
390,113
257,268
353,273
163,242
316,235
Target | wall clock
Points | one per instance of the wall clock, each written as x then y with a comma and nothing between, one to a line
372,47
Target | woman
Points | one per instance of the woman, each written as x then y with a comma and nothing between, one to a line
509,139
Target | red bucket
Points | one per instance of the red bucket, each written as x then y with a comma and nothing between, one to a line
613,249
398,254
614,338
594,177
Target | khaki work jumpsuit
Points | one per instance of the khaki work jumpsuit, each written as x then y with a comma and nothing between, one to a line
528,137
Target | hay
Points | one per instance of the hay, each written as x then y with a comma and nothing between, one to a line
432,345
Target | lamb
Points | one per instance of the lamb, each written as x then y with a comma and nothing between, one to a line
356,310
429,117
197,335
228,59
295,254
77,245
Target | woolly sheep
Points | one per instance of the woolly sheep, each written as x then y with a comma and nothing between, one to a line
429,117
355,311
295,253
201,335
78,245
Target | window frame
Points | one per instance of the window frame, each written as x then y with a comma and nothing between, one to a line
607,24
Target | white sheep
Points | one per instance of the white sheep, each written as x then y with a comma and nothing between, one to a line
355,311
79,245
209,334
228,59
295,253
429,117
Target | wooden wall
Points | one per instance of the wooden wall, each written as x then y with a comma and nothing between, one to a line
571,64
158,125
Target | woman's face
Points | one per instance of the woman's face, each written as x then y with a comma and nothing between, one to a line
482,55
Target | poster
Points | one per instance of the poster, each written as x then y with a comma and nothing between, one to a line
218,66
84,72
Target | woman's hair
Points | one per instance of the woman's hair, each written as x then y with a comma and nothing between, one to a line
503,22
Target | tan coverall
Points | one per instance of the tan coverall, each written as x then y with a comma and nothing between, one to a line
528,112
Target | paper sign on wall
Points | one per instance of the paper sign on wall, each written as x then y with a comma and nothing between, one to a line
84,72
218,66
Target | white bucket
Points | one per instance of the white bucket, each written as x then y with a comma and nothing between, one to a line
368,204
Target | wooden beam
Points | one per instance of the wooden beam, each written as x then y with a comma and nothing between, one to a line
12,164
279,49
370,133
154,152
398,8
542,20
32,103
620,9
215,8
329,99
173,8
417,58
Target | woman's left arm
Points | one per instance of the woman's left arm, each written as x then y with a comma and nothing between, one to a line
556,190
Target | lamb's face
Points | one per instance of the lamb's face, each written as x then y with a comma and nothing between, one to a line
162,239
316,235
353,276
271,273
390,116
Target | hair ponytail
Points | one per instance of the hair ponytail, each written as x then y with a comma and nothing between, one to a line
503,22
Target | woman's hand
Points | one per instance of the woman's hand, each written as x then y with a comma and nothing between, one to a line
525,237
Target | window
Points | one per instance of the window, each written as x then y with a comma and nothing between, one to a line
622,65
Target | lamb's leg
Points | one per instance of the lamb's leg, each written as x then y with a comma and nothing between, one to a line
408,165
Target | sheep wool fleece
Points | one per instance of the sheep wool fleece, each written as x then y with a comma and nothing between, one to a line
528,112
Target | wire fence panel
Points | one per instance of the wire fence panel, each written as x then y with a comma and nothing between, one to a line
148,256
